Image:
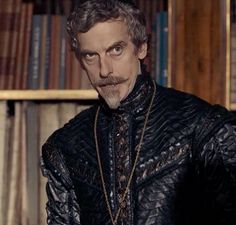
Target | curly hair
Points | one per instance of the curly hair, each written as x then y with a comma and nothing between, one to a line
87,14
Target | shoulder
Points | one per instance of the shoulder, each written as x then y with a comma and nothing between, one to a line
182,100
57,144
208,118
73,127
193,111
181,108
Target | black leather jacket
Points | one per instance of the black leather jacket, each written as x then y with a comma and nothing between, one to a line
186,172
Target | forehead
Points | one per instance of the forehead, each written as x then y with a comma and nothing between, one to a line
104,34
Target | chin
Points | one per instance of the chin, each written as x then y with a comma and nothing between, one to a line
113,102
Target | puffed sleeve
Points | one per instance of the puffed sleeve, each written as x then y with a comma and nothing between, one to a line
62,206
218,157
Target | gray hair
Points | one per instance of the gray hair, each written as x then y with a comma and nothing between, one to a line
87,14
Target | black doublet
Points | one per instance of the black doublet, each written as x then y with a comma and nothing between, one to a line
186,173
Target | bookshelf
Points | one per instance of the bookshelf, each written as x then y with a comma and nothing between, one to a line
48,95
199,53
199,61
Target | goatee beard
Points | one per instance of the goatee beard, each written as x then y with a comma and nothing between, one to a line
111,96
112,99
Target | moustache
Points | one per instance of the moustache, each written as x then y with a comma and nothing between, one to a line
110,81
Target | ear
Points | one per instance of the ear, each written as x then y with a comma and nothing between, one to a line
142,51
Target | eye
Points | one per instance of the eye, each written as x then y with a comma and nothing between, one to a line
117,50
89,56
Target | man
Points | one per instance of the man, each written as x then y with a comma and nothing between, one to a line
143,154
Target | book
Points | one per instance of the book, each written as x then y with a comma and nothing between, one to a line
66,6
68,65
13,209
34,64
43,51
67,110
23,180
3,121
77,79
13,45
85,82
26,44
62,68
20,48
81,107
6,18
48,123
45,69
55,52
32,143
7,159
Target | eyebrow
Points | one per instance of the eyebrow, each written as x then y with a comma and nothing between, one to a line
87,51
122,43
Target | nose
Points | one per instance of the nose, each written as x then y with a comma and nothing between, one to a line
105,66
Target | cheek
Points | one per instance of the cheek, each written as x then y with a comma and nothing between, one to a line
91,71
126,65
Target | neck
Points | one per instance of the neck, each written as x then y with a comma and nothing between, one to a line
137,98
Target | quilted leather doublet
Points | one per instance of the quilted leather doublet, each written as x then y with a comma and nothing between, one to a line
183,135
52,162
168,137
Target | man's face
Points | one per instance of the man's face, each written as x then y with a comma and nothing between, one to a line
111,60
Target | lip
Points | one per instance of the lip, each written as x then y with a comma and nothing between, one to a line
112,84
109,86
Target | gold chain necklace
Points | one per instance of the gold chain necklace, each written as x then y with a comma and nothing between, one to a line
138,149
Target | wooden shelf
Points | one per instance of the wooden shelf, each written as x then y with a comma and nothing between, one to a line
48,95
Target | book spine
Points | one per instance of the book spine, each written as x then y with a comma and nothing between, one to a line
7,161
13,45
19,54
6,18
33,78
68,65
62,53
47,51
42,52
26,44
13,209
3,118
32,144
55,53
24,191
77,80
47,124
